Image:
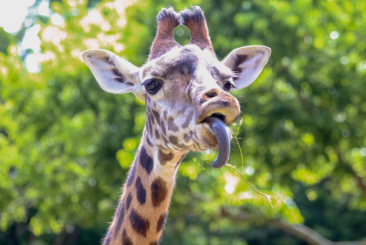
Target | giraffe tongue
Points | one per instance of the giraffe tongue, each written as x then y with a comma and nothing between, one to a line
222,134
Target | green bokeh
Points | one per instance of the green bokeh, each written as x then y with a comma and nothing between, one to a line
66,146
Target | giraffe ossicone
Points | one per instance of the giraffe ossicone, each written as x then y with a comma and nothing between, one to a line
189,107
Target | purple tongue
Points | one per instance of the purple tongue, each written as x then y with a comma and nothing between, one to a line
218,127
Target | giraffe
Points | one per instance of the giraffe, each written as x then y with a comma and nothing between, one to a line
188,107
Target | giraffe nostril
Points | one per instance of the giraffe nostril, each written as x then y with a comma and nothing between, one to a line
211,94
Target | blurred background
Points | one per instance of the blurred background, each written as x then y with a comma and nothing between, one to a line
66,146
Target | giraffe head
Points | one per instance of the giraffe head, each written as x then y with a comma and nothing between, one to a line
182,86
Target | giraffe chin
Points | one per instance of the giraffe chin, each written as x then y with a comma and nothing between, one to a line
217,136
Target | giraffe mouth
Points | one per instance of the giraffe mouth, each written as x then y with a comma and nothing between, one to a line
222,133
218,116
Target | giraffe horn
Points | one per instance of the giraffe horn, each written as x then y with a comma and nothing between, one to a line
195,21
164,41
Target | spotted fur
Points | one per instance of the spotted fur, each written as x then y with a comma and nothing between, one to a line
146,161
160,224
120,216
131,175
163,158
126,240
159,191
139,223
140,191
192,89
128,201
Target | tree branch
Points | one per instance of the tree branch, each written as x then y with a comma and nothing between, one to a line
359,182
358,179
299,231
307,234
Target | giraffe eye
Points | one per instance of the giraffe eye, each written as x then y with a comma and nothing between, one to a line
228,86
153,85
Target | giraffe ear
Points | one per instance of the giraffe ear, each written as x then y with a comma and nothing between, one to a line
247,63
114,74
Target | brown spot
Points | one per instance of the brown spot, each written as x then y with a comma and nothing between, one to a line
156,115
187,121
165,114
120,214
188,137
149,124
128,201
160,223
140,191
151,116
173,139
146,161
171,125
131,175
148,141
180,160
157,135
163,158
125,238
138,223
180,146
166,142
159,191
153,243
107,238
163,129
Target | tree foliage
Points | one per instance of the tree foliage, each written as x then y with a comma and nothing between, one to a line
66,145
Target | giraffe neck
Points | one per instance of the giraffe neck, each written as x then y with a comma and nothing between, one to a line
143,206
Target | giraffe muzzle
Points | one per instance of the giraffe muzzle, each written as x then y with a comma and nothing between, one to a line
222,105
217,110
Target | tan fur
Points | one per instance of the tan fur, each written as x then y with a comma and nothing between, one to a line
193,89
172,130
153,209
188,85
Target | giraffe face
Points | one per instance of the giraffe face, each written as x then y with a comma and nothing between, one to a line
186,90
190,85
182,86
